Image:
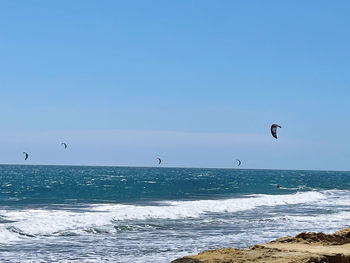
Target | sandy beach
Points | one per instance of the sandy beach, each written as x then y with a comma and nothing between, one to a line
305,247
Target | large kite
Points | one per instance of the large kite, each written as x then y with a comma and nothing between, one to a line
274,130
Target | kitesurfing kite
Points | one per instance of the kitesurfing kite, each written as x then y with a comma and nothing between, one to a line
64,144
26,155
274,130
239,162
159,161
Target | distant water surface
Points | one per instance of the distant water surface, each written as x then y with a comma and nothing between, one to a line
128,214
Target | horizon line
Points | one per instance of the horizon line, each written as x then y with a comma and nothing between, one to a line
175,167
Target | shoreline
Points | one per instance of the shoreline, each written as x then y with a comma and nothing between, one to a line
309,247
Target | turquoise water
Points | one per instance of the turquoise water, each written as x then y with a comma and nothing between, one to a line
127,214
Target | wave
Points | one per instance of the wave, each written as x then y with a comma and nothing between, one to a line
297,188
102,218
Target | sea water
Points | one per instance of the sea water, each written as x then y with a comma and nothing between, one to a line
129,214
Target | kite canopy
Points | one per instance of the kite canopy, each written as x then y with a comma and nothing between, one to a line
64,144
239,162
26,155
274,130
159,160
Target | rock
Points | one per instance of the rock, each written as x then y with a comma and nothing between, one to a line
304,248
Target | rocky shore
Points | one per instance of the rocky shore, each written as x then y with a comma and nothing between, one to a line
306,247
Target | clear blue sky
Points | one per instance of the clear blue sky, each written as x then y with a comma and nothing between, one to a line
220,71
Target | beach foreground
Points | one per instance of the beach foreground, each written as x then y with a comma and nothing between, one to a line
305,247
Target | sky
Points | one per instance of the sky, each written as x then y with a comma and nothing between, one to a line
197,83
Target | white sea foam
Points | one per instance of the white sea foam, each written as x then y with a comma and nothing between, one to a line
336,198
7,236
38,222
325,222
215,223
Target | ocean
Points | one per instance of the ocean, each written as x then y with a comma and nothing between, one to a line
130,214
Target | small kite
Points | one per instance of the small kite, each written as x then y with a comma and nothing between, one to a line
64,145
239,162
159,161
26,155
274,130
